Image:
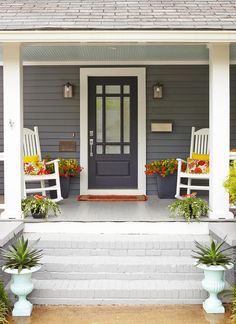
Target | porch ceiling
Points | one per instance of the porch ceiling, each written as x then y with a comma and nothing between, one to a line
113,53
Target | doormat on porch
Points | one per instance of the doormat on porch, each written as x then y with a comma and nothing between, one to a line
112,198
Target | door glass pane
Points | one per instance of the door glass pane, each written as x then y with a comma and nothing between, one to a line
112,119
99,149
126,149
113,149
126,119
115,89
99,119
126,89
98,89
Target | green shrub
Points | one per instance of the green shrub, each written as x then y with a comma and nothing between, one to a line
230,185
4,304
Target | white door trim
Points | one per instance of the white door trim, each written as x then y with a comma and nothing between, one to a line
140,73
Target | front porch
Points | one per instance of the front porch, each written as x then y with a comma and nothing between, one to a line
197,79
153,210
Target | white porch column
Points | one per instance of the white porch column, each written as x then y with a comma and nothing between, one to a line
219,84
13,129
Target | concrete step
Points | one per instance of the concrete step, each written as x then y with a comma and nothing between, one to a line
117,292
116,244
118,267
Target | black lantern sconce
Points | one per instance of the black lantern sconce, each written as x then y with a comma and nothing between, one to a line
158,91
68,90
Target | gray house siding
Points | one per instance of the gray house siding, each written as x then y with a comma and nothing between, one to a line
185,104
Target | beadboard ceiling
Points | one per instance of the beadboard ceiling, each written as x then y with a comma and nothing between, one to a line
112,53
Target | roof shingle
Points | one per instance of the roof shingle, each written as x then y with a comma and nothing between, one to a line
118,14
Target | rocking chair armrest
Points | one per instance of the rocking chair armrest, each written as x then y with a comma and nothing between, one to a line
53,161
181,161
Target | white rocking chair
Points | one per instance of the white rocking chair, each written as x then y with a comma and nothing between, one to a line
31,146
199,145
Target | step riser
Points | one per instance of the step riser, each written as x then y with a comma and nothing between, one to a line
120,268
121,301
117,276
116,252
107,293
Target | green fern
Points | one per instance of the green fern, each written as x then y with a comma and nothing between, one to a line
232,294
189,207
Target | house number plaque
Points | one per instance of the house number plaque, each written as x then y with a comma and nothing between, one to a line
67,146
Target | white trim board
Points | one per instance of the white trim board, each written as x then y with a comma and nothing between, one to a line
140,73
118,36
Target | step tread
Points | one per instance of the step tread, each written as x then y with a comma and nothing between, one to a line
124,260
108,284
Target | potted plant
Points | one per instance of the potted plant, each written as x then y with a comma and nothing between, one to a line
230,185
213,260
4,304
39,206
21,260
166,173
68,168
190,207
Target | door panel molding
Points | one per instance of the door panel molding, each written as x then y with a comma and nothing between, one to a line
140,73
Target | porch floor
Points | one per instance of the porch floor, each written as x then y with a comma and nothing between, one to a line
152,210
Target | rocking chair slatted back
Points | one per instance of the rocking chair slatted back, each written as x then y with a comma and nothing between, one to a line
199,141
31,145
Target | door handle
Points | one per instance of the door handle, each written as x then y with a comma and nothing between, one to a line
91,147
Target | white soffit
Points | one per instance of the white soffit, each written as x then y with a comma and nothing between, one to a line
113,53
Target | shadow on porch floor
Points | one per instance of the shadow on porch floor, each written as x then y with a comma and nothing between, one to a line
152,210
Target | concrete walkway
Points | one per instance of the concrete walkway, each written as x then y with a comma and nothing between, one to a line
162,314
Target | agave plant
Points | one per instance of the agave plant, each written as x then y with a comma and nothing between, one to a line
213,254
21,255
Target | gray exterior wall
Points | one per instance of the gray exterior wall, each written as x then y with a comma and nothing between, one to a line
185,104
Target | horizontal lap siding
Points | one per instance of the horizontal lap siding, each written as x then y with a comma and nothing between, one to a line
45,107
185,103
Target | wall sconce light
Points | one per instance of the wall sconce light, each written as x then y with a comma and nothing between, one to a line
68,90
158,91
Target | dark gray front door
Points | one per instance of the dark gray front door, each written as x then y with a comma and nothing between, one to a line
112,132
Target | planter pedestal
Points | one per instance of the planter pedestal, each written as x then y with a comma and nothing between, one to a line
22,285
213,283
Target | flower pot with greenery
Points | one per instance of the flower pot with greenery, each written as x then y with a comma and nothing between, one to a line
39,206
68,168
166,173
4,305
20,260
213,260
190,207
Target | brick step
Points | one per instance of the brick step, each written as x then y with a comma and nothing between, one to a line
117,292
117,264
116,244
45,275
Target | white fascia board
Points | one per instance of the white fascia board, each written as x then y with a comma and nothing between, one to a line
116,36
